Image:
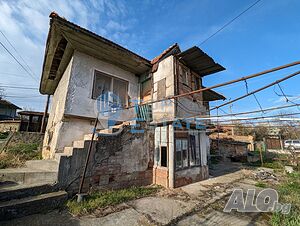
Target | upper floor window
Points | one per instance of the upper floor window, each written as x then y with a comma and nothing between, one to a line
104,83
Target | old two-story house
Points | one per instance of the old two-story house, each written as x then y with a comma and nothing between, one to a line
79,66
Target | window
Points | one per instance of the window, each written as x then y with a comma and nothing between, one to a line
35,118
296,142
164,156
196,82
194,151
184,76
146,88
181,153
187,152
104,83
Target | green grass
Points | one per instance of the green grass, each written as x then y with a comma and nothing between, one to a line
289,192
273,165
261,184
4,135
16,155
109,198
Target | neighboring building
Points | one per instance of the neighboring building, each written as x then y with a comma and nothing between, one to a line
80,65
8,110
31,121
231,149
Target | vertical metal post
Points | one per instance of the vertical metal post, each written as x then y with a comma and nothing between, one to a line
43,126
87,159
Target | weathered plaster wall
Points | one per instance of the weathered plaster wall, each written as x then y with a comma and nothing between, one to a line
164,110
116,162
10,125
79,96
73,97
52,139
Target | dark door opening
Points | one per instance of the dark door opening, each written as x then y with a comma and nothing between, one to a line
164,156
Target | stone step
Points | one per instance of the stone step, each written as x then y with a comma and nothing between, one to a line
68,150
106,131
32,205
27,175
78,143
89,136
47,165
24,190
59,155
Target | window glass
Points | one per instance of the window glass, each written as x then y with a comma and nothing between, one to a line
120,90
102,84
35,118
296,141
178,154
181,153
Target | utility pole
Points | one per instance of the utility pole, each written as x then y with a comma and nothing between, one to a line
43,126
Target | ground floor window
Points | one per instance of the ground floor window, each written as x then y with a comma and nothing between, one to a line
194,151
181,153
187,152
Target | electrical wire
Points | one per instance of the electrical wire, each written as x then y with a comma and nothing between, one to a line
12,55
17,53
229,22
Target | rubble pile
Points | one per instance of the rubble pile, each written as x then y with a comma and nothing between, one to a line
263,174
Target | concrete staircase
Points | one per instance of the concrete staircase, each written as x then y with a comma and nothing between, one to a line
35,187
81,144
21,200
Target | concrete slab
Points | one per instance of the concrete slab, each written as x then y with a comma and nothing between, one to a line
217,218
43,165
161,210
127,217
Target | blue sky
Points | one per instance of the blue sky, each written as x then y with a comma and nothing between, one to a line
265,36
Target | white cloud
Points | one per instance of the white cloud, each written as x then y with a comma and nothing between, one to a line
26,24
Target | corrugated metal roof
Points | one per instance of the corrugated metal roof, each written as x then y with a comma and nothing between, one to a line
7,103
211,95
199,61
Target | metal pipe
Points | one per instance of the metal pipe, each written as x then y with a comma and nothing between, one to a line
87,160
258,90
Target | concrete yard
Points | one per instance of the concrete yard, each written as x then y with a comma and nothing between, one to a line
194,204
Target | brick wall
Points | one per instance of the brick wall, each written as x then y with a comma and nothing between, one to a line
116,162
161,176
192,175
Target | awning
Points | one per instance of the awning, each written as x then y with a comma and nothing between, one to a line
210,95
199,61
